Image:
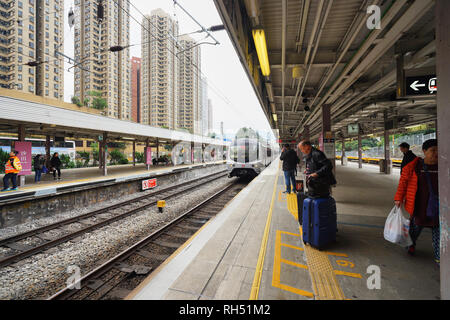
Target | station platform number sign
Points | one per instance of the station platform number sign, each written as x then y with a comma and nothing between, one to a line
149,184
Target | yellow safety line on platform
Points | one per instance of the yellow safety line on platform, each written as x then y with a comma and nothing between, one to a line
276,274
291,246
262,251
348,274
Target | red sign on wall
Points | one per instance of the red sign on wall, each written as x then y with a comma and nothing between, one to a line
148,155
24,149
148,184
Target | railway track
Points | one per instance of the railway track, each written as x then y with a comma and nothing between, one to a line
116,278
62,231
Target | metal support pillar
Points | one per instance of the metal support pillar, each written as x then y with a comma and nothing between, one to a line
47,151
105,153
387,148
343,152
134,153
21,137
327,136
443,123
100,153
21,132
174,156
157,148
203,152
147,144
359,148
305,134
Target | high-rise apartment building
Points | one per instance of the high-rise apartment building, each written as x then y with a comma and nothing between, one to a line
102,70
189,85
136,89
159,103
210,116
204,130
32,31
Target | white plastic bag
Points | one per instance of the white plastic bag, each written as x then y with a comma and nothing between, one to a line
396,228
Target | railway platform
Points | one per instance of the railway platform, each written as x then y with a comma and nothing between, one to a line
253,249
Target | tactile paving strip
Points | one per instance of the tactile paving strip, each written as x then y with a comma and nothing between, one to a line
325,285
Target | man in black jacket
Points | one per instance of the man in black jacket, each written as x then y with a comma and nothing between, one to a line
319,171
408,155
290,161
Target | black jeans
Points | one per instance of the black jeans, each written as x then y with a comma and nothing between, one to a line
13,177
54,172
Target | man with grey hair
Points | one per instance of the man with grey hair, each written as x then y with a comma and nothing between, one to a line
319,171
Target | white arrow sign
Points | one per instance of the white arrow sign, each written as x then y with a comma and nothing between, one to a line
416,85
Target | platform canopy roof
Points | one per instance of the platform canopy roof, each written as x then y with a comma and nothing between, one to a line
42,119
330,52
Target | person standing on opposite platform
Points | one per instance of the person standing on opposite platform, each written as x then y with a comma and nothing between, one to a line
418,190
12,168
38,166
290,162
408,155
56,165
319,171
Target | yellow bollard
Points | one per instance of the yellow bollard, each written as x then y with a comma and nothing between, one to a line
161,204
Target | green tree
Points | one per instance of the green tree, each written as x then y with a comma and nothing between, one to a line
139,157
97,101
66,162
4,156
77,101
118,157
85,156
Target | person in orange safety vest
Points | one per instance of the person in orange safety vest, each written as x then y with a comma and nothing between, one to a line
12,168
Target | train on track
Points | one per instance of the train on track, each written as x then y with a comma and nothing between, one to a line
248,157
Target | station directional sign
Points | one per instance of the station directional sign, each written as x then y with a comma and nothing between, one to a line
421,85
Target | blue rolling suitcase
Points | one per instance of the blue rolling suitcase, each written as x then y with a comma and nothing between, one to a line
319,222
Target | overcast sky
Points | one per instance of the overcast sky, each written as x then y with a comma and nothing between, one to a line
233,98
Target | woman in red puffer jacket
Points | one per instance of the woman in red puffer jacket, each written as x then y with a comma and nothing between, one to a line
418,190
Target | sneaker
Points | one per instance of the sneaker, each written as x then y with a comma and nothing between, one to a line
59,178
7,189
411,250
14,189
